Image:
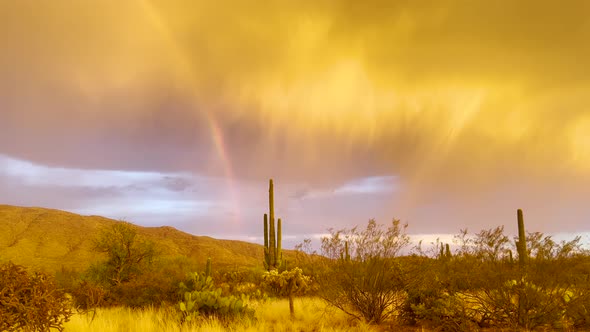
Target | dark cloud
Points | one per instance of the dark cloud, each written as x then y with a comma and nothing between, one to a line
177,183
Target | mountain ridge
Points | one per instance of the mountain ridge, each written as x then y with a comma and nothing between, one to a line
51,239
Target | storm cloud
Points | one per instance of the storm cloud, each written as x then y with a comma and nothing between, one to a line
458,112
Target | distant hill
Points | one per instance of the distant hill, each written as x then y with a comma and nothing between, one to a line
46,239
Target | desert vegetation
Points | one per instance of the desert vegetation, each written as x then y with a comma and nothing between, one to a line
368,277
30,301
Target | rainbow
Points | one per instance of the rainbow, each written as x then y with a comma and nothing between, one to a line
181,58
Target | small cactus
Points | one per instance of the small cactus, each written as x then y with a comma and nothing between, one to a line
200,297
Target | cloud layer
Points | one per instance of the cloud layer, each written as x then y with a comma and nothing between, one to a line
457,111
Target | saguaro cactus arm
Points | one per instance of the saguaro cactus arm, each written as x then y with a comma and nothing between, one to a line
265,230
266,248
279,253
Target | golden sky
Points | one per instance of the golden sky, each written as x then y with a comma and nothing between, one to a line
461,101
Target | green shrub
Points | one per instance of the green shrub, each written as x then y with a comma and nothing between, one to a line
127,253
154,285
152,288
578,308
438,310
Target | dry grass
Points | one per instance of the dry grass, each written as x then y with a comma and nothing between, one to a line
310,315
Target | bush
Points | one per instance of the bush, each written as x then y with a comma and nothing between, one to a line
152,288
127,253
88,295
240,281
482,286
66,279
530,297
153,284
578,307
30,301
438,310
363,276
519,304
431,300
133,275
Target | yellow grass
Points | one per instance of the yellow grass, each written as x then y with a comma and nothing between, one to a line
310,315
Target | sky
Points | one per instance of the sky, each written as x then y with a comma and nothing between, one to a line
444,114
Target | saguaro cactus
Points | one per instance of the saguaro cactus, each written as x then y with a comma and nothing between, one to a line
266,250
521,244
445,251
522,262
345,255
208,268
273,254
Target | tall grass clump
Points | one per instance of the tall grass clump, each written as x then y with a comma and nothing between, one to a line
272,315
